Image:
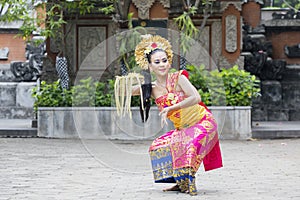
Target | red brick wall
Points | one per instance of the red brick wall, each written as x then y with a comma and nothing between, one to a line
158,11
251,13
134,10
279,40
16,47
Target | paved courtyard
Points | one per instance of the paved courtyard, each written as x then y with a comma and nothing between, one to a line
37,168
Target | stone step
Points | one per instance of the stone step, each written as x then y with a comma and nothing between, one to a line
20,132
17,128
275,129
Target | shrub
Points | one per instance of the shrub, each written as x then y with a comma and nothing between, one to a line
86,92
51,95
230,87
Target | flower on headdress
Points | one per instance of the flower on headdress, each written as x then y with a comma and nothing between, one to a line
154,45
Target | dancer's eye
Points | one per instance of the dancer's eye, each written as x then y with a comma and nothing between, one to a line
165,60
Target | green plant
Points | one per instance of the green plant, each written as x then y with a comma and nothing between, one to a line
240,86
86,92
104,93
51,95
230,87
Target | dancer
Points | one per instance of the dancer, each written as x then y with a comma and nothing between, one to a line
177,154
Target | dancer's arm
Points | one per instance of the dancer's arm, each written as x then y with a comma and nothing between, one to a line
191,93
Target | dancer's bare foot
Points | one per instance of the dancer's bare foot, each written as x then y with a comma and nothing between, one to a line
174,188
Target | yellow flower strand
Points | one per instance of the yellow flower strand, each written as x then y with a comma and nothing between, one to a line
123,92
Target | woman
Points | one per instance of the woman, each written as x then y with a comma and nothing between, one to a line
177,154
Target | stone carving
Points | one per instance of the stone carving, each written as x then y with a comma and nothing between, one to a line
143,7
231,33
256,43
273,70
89,38
258,52
32,68
4,53
292,51
255,61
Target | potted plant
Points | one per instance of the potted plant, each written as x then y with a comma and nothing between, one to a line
228,93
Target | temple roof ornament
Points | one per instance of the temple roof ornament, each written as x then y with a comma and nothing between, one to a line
144,6
237,5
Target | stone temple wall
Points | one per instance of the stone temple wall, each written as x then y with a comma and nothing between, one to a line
272,53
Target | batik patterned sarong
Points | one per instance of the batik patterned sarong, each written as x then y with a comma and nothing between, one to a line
177,154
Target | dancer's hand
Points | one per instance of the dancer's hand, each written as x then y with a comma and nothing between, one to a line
163,115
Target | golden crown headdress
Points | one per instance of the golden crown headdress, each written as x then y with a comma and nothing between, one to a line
148,44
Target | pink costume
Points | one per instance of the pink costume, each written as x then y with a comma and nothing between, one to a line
177,155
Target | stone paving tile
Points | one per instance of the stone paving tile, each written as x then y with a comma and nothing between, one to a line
42,169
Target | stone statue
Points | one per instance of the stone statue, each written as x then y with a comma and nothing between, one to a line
254,62
30,69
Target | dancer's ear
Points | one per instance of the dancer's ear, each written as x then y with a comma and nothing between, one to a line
150,67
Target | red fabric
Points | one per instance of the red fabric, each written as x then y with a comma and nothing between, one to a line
186,73
213,160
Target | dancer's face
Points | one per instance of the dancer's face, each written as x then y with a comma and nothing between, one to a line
159,63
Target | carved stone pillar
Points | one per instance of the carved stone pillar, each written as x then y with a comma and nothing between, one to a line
231,31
